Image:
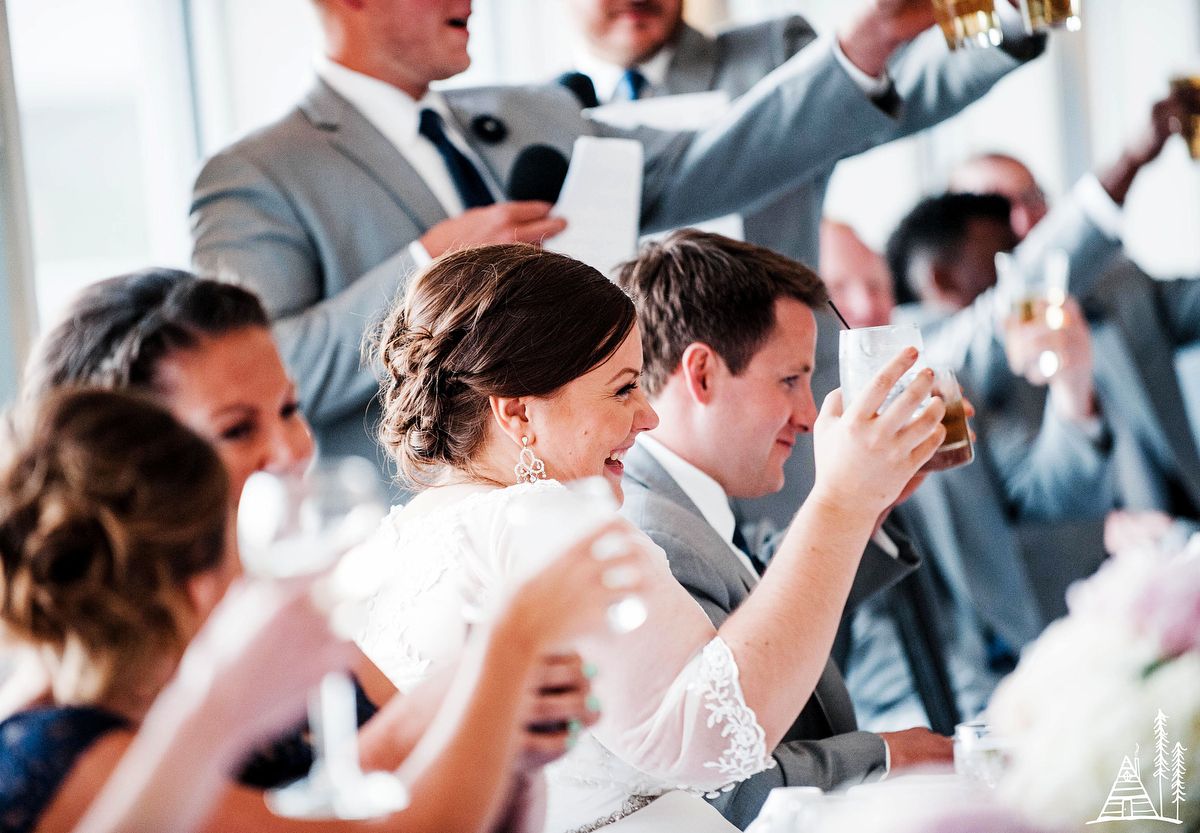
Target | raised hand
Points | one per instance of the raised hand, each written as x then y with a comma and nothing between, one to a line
1071,382
572,594
866,460
506,222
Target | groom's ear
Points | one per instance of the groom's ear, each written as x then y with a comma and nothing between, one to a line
699,365
511,416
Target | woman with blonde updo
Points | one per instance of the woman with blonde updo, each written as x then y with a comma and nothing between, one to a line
511,370
115,552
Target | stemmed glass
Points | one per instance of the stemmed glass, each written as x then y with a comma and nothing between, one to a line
1036,295
292,526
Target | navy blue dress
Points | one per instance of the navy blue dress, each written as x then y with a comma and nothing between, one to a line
39,747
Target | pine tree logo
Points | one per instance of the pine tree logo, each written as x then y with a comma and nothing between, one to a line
1128,799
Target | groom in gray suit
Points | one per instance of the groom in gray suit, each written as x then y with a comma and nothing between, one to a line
716,313
326,213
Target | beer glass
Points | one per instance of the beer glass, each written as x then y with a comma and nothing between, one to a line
1040,15
956,450
968,23
1187,87
1035,293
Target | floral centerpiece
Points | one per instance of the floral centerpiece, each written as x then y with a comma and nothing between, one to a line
1103,711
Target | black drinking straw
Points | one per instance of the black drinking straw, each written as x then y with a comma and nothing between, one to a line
838,313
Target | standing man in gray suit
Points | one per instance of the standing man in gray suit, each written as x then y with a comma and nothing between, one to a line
327,212
728,340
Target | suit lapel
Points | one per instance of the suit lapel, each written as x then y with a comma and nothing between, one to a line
642,468
693,67
358,140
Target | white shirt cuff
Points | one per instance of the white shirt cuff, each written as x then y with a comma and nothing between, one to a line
420,257
887,760
871,87
885,543
1098,206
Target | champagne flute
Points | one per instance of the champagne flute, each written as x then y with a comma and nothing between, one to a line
290,526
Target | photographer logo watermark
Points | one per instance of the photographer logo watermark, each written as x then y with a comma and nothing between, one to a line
1129,800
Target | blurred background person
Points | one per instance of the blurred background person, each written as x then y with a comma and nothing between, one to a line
1040,458
856,276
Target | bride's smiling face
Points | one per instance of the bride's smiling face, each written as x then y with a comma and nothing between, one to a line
587,425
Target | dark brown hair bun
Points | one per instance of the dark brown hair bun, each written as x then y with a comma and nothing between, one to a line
508,320
107,506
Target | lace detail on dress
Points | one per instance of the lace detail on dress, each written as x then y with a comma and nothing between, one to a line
717,682
631,806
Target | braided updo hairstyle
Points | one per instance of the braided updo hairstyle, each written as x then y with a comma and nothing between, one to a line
117,331
508,320
107,506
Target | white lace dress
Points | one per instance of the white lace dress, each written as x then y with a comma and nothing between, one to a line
674,717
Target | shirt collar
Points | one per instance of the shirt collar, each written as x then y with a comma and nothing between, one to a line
700,488
391,110
605,76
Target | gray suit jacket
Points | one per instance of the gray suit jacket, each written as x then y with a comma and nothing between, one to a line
1139,324
823,747
315,212
931,84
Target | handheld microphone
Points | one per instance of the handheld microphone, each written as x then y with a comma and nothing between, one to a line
537,174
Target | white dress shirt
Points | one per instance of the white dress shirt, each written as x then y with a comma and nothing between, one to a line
702,490
397,116
606,77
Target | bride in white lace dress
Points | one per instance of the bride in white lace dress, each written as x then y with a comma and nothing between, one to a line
506,349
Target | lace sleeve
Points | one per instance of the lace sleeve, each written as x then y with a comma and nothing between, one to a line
672,702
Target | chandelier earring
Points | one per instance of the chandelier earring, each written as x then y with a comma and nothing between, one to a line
529,468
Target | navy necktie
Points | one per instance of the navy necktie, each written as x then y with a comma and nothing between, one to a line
472,190
739,541
633,83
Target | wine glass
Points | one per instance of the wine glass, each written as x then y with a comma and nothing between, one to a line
548,522
290,526
1036,295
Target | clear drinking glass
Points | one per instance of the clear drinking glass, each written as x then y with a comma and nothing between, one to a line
1040,15
1035,294
968,23
789,809
863,352
956,450
979,754
547,523
290,526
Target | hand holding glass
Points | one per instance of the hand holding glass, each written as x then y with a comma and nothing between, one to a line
289,527
545,524
1033,295
864,352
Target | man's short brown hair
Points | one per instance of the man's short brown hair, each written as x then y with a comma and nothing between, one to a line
694,286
